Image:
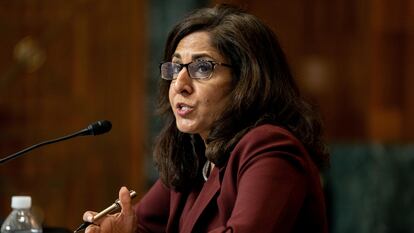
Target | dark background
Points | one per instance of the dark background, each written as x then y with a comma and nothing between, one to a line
65,64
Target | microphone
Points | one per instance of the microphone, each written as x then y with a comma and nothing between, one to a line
96,128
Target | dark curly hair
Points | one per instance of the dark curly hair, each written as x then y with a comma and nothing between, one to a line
264,91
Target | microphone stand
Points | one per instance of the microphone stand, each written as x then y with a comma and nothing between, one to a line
19,153
94,129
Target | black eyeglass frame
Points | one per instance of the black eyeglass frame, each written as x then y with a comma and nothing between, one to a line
182,66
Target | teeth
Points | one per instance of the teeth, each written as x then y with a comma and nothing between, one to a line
185,108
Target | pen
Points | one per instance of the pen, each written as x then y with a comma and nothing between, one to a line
111,209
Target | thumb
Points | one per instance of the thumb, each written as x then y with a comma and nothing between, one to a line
125,201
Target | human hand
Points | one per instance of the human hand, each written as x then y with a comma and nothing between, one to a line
123,222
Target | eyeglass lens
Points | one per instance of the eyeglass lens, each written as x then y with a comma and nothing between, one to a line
198,69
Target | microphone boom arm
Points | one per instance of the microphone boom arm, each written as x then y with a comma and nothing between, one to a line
19,153
96,128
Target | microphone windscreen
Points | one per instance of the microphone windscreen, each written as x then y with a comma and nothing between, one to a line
99,127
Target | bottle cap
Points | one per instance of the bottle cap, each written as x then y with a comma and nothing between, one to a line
21,202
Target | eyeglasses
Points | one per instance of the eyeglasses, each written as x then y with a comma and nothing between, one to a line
196,69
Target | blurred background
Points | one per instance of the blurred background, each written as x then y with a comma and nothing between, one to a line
65,64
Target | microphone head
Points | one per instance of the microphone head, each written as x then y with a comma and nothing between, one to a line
99,127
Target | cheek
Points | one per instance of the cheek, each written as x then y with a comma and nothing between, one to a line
217,102
170,95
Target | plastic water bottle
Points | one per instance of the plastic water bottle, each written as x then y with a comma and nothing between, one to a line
21,220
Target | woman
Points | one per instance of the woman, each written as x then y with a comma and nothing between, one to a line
240,149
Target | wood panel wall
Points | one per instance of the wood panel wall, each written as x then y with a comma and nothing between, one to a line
353,59
63,65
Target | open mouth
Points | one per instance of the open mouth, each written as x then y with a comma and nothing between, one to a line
184,108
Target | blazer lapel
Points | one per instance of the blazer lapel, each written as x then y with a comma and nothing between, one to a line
211,187
176,200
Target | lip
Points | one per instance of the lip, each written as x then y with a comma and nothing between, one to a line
183,109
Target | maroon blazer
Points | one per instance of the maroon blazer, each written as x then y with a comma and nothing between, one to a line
269,184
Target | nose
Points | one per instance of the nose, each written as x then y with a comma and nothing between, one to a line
183,84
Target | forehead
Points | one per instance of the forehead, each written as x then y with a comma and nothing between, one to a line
194,45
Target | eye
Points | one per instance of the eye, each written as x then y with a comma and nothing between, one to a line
203,67
176,68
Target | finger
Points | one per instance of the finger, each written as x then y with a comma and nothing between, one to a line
93,229
125,201
88,216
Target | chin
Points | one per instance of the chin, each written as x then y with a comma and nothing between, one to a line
186,129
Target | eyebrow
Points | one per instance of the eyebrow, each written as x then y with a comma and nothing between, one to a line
194,56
